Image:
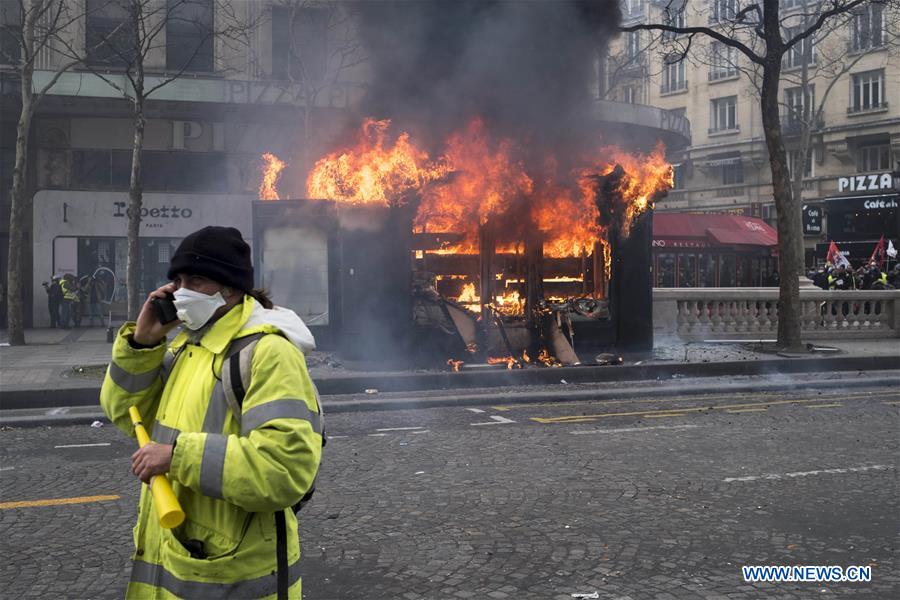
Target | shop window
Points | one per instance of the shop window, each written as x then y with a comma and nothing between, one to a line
687,270
723,114
867,91
867,27
185,171
707,270
727,271
189,35
665,270
108,38
874,157
299,46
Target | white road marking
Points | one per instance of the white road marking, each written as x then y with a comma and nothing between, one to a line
423,431
58,411
398,428
631,429
83,445
7,468
475,410
777,476
497,420
331,437
377,434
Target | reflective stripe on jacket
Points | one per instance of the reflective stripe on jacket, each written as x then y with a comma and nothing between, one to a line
229,478
68,291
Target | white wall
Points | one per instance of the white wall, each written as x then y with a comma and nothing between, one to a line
61,213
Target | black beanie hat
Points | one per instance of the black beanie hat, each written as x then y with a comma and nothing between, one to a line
219,253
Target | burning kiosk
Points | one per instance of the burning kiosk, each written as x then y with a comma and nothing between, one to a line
429,261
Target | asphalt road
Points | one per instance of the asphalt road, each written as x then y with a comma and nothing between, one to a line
662,498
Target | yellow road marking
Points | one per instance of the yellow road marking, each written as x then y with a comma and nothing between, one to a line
506,407
664,415
824,405
56,501
746,410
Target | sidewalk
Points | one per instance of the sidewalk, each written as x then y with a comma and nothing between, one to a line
45,373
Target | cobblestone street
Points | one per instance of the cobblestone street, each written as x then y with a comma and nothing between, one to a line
663,498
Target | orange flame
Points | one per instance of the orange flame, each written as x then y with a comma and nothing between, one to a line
478,179
271,171
376,171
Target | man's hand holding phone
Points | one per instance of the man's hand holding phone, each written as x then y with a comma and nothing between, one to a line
149,329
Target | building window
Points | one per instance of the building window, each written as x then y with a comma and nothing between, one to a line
189,36
101,169
733,172
632,8
724,61
633,44
722,10
687,270
723,114
868,91
673,74
162,171
788,4
678,176
804,50
631,94
665,270
673,17
299,45
707,270
799,105
10,29
874,157
867,28
108,39
794,162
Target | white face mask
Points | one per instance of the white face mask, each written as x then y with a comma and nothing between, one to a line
195,309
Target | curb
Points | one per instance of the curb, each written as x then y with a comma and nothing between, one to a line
413,382
337,406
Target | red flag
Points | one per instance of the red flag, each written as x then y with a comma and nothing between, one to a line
878,253
835,257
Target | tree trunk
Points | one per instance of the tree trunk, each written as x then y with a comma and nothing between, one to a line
135,201
790,240
20,202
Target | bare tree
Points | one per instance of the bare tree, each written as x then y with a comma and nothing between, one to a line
188,29
322,46
764,36
36,30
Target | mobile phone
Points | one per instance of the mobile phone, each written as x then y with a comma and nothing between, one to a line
165,309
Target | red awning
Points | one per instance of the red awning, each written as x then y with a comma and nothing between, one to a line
695,230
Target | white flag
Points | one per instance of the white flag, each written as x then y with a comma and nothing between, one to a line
891,251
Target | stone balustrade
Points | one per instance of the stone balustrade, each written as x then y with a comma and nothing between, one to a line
696,314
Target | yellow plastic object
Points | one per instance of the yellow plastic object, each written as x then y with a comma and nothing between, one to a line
167,506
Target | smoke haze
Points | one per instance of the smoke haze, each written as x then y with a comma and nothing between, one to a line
523,66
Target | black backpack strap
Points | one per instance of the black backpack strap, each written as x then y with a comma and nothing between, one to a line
236,372
281,554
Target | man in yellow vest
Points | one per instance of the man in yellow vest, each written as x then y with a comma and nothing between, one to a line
236,425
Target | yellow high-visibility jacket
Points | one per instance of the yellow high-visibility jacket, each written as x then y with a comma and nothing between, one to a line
231,477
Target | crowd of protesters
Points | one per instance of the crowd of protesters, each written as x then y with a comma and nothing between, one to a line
70,299
866,277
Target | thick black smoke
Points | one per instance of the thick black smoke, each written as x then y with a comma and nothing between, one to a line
524,66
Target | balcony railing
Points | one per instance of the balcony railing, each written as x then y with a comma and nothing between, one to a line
876,107
791,125
675,86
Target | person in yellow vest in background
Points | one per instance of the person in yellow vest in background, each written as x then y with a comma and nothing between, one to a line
235,422
70,299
